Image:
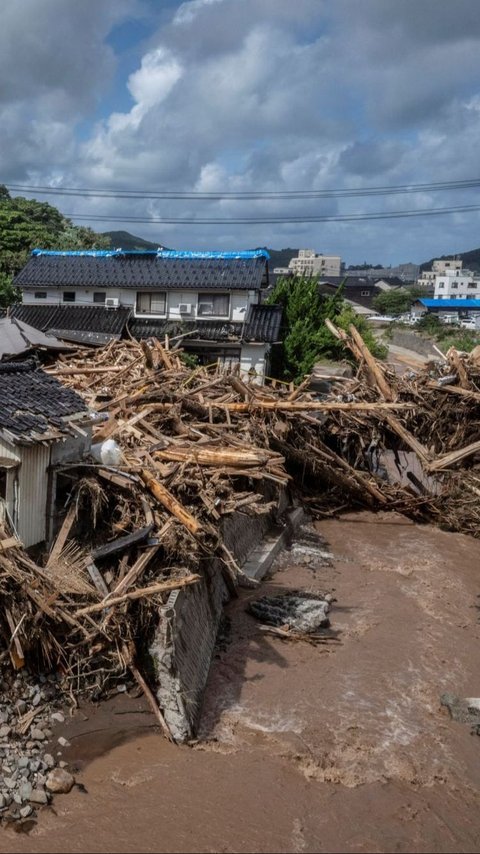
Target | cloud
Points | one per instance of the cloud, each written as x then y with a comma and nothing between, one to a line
236,95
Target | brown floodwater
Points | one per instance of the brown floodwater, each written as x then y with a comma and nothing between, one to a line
304,748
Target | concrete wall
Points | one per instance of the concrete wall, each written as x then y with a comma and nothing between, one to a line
412,341
183,646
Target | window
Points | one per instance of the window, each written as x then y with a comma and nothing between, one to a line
472,285
151,302
455,285
69,296
213,305
441,285
40,295
99,297
364,293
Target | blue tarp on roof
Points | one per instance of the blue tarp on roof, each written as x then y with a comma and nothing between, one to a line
451,303
159,253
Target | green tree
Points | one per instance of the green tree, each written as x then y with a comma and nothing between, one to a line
397,300
26,224
305,336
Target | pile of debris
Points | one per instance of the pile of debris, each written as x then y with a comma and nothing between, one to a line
177,449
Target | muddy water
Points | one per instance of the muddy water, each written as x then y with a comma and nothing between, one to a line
303,748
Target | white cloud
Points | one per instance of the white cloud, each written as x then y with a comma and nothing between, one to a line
251,95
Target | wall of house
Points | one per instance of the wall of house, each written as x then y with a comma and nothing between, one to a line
253,358
456,284
31,509
239,301
9,453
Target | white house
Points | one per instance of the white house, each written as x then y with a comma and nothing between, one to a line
43,426
456,284
211,298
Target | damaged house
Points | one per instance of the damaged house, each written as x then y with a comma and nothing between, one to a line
210,301
43,425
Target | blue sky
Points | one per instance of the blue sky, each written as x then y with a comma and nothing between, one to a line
242,95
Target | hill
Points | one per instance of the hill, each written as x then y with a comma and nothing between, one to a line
471,260
125,240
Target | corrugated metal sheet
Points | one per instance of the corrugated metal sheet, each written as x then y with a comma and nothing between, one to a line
32,494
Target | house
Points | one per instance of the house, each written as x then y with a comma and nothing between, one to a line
456,284
359,291
19,339
460,308
211,300
43,426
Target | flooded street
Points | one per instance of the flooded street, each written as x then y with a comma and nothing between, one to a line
303,748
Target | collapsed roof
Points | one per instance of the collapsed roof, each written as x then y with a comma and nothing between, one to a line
34,406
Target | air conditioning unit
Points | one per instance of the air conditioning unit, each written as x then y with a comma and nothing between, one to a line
205,308
112,302
184,308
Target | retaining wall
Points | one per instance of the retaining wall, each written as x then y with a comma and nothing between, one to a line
412,341
185,639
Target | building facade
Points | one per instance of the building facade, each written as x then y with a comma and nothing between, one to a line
211,299
308,263
439,268
456,284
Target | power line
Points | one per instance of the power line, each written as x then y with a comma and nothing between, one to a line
355,217
86,192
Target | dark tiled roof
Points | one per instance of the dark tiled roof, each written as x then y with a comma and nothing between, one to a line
262,325
216,330
109,322
142,272
33,403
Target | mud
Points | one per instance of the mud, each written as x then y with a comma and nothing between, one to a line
304,748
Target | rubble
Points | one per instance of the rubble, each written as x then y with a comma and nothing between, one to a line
191,446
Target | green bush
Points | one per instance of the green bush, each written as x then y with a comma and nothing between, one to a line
305,337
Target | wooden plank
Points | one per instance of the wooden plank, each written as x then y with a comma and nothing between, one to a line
453,457
62,535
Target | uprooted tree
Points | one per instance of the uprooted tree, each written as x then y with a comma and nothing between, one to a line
305,337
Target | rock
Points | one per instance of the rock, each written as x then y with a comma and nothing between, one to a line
48,760
10,783
24,762
39,796
37,734
34,765
3,803
63,742
63,764
26,811
57,718
5,731
48,733
17,798
60,781
25,791
21,707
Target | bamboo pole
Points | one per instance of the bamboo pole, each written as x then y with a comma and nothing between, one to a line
141,593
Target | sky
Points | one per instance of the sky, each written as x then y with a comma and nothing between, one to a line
248,95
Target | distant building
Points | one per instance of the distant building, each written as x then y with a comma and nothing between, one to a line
405,272
456,284
308,263
439,267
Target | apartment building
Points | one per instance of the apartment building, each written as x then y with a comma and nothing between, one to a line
308,263
439,268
